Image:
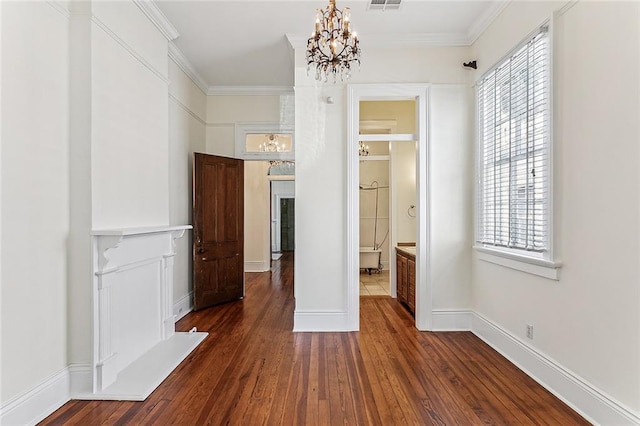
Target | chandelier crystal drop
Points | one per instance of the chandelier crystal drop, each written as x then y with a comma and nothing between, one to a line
332,48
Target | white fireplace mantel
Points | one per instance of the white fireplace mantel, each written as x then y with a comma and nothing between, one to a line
135,346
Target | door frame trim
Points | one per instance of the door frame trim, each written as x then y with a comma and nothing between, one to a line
385,92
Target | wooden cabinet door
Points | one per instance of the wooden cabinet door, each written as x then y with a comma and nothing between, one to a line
401,270
411,285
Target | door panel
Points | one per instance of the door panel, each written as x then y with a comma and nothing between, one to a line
218,216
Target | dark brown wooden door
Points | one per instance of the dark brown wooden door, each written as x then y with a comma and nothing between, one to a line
218,228
287,224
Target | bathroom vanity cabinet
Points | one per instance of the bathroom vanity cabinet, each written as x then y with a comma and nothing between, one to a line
406,276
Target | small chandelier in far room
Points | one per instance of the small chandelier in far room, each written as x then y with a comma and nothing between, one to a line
363,150
272,145
332,47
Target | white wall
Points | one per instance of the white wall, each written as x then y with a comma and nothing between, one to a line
130,157
404,189
589,320
187,133
321,180
35,194
225,111
451,184
257,255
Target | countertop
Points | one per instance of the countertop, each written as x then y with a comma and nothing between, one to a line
409,251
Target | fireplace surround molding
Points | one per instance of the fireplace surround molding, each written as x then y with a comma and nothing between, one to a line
134,342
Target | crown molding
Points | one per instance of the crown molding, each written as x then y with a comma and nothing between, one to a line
60,7
372,41
178,57
413,40
249,90
482,23
155,15
296,40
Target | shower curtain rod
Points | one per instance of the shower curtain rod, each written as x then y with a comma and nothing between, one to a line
372,188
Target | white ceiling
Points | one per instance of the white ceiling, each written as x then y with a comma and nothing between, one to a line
243,43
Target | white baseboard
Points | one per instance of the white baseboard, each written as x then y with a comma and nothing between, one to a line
81,380
256,266
320,321
593,404
37,403
183,306
451,319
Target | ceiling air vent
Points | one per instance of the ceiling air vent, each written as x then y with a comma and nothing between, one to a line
384,4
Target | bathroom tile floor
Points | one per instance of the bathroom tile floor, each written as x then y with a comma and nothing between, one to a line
374,284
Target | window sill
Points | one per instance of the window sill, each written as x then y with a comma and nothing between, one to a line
540,267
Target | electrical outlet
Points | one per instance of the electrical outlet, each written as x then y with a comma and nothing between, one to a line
530,331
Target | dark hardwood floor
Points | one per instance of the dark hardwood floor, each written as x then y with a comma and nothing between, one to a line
253,370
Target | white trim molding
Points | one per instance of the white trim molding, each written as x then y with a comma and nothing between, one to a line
256,265
187,110
542,268
451,319
183,306
321,321
183,63
375,40
483,22
126,46
60,7
38,402
249,90
590,402
155,15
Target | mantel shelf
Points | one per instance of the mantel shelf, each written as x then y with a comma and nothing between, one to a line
139,231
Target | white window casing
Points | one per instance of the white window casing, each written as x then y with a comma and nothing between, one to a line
514,212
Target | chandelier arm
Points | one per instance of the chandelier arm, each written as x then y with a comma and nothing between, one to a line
333,46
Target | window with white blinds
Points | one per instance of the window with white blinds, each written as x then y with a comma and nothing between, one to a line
514,150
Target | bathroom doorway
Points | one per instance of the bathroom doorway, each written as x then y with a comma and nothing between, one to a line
413,208
387,170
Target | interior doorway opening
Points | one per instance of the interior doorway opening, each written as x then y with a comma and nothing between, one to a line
387,190
413,137
282,217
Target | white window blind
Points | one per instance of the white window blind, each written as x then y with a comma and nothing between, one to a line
514,146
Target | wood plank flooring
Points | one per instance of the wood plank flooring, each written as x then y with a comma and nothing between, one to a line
252,370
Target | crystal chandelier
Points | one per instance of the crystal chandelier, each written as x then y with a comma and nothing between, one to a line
332,47
363,150
272,145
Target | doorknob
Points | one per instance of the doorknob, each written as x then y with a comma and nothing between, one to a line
200,250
